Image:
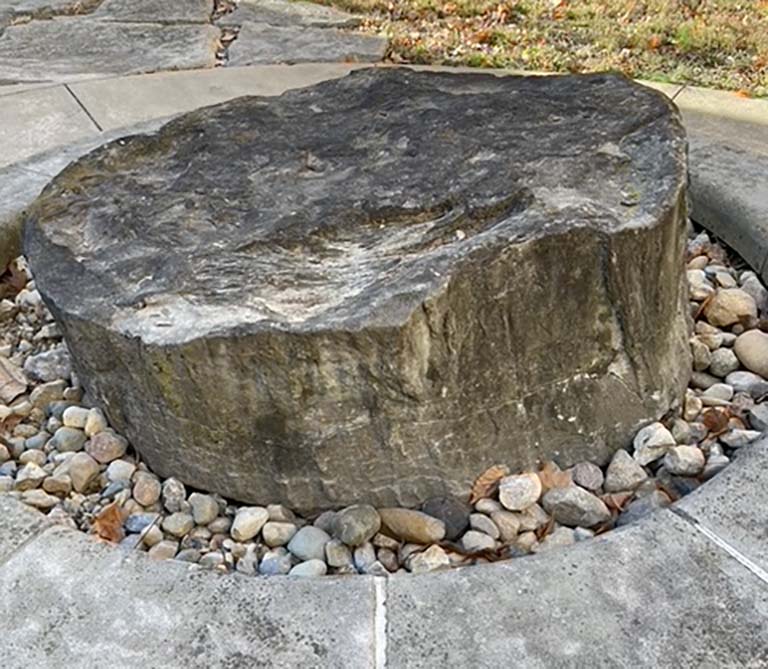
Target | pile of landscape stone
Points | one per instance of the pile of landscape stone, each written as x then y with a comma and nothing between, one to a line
59,455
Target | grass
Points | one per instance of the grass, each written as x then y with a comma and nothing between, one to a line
714,43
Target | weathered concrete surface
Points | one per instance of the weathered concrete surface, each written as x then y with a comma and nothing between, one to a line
733,504
18,524
259,43
33,120
288,13
155,11
67,601
44,8
729,182
657,594
333,324
64,49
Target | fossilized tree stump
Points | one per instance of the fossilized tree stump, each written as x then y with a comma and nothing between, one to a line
376,287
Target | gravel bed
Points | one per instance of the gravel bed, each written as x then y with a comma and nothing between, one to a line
59,455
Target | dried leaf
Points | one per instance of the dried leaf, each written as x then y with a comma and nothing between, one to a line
616,501
552,476
10,423
487,483
654,42
109,524
715,420
544,530
12,381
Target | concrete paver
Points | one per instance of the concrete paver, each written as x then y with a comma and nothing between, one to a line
36,120
657,594
68,601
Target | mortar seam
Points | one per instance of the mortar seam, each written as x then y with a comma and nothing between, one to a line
723,545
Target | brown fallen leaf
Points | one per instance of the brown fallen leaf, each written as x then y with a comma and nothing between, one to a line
544,530
109,524
552,476
487,483
716,421
12,381
616,501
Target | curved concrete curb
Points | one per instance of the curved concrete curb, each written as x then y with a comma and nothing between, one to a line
685,587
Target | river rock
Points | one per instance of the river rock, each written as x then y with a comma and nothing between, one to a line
248,522
752,350
729,306
355,277
106,446
623,473
453,511
651,443
519,491
412,526
356,524
575,507
684,460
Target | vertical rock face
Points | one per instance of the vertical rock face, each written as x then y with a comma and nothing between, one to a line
376,287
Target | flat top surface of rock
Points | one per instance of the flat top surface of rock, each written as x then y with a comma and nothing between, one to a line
288,13
346,204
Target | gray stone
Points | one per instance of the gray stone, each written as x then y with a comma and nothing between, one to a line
288,13
204,508
138,522
518,492
69,48
309,543
188,555
508,524
248,522
261,43
643,506
475,542
178,427
278,534
724,361
684,460
164,550
338,554
155,11
30,476
75,417
758,416
178,524
46,393
660,570
748,382
718,391
174,494
651,443
559,538
309,568
532,518
39,499
356,524
482,523
83,470
588,475
453,511
623,473
574,506
58,485
106,446
363,557
49,365
430,559
277,561
738,438
412,526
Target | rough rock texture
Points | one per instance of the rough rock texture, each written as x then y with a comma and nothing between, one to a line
376,287
76,47
261,43
159,11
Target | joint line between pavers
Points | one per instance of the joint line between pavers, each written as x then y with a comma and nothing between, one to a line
84,108
756,569
380,623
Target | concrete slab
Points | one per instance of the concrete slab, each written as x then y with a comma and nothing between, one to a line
733,504
725,105
37,120
126,100
658,594
68,49
18,524
67,601
261,43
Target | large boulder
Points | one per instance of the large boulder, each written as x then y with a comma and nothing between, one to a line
372,289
